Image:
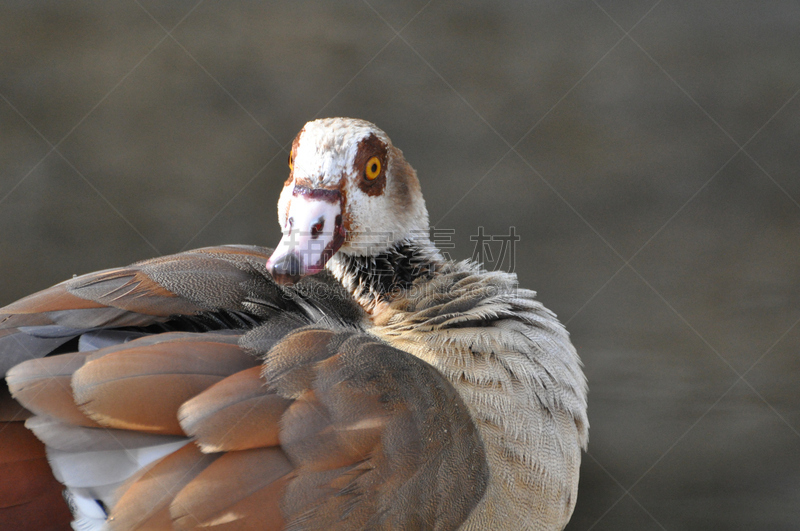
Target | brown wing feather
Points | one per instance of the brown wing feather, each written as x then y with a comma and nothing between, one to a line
313,437
43,385
291,362
239,491
238,413
186,283
230,278
70,304
374,439
145,502
141,385
54,299
371,437
132,290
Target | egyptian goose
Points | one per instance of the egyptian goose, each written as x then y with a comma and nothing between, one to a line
351,379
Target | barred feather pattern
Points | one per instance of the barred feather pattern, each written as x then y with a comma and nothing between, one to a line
515,368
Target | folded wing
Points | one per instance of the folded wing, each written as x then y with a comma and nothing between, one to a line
194,392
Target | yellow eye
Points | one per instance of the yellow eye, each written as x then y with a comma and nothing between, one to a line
373,168
291,160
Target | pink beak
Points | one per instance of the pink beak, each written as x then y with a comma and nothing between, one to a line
311,236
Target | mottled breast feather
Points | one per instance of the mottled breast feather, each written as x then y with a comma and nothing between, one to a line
516,370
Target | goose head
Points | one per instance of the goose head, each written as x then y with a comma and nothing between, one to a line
349,192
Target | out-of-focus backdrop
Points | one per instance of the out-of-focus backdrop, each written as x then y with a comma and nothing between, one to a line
646,153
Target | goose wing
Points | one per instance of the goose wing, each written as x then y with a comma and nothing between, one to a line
192,391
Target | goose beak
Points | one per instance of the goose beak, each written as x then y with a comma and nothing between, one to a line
311,236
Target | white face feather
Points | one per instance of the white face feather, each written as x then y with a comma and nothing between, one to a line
326,149
325,156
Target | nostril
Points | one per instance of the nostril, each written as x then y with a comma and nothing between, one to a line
316,229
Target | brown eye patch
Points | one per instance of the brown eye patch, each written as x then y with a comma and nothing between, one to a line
370,148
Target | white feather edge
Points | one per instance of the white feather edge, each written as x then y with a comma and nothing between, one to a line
94,462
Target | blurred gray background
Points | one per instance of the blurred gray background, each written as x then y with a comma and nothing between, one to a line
645,152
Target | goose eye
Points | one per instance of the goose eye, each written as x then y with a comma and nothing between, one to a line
373,168
291,161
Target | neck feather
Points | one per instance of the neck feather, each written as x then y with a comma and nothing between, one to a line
384,276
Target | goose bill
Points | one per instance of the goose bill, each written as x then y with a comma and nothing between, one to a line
311,236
